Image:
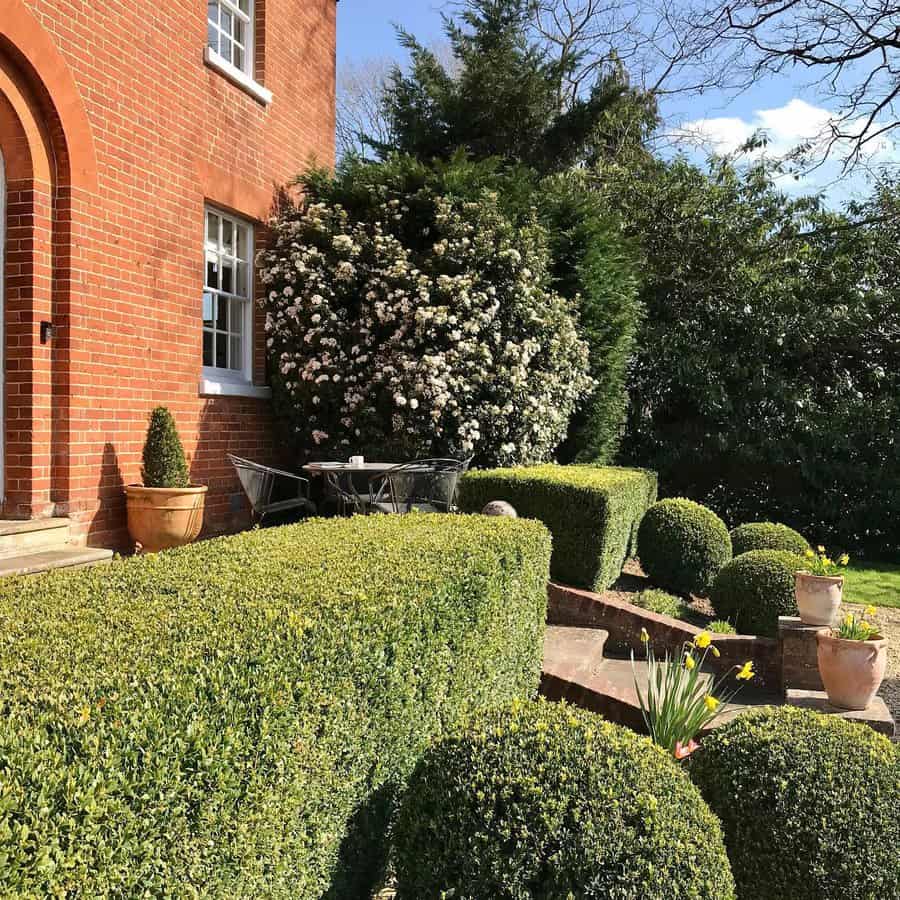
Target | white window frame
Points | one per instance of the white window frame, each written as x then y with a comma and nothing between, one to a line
230,381
242,76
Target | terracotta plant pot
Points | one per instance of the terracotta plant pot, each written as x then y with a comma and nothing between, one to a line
852,671
160,518
818,597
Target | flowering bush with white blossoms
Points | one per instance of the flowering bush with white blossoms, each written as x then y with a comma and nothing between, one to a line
421,325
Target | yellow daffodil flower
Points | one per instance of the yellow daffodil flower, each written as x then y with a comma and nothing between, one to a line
711,703
844,559
871,611
715,651
820,548
689,662
703,640
809,553
644,636
746,671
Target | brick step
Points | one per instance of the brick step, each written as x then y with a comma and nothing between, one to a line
18,536
575,672
48,560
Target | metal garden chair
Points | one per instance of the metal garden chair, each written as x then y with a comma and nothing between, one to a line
259,482
424,485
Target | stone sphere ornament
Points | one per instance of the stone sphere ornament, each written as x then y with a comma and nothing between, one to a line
500,508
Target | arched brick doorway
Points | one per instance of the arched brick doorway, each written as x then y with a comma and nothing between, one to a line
41,120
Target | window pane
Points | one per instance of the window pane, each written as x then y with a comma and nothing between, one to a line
209,302
212,273
242,288
212,37
212,230
221,351
222,313
208,349
227,276
236,361
212,11
226,23
238,57
244,6
240,250
228,237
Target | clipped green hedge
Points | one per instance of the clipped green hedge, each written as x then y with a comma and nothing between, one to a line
591,511
809,805
235,718
767,536
683,545
542,800
755,588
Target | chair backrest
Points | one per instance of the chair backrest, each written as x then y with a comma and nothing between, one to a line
429,482
256,480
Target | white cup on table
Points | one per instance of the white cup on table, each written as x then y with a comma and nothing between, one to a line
357,461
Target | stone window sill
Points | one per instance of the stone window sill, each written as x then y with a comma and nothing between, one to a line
221,387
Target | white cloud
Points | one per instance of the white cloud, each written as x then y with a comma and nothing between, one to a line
786,128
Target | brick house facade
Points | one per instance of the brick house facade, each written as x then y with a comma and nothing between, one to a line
141,148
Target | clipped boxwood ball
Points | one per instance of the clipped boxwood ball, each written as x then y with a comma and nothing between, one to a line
682,545
767,536
542,800
809,804
755,588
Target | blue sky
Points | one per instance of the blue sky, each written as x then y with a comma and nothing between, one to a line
785,107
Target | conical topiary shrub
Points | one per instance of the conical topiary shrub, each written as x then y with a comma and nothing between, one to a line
164,463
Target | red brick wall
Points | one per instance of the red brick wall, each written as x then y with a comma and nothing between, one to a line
166,134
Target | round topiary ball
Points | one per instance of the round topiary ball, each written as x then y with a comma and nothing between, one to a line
755,588
545,800
767,536
809,804
682,545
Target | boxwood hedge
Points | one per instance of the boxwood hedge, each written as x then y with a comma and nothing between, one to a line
755,588
683,545
808,803
592,512
234,719
767,536
542,800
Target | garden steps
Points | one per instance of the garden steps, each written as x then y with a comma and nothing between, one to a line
48,560
32,546
574,671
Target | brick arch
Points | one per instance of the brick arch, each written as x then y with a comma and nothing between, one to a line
27,45
49,159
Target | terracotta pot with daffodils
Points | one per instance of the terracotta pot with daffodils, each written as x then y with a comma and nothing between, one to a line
820,587
852,660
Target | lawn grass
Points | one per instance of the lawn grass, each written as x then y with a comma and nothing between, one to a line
875,583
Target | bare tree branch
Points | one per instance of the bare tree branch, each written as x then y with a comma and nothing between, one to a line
360,114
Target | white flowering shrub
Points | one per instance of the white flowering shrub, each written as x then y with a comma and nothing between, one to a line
418,325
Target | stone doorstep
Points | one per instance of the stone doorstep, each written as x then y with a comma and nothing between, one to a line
22,536
47,560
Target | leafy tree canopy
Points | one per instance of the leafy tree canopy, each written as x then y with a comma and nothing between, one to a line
505,96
